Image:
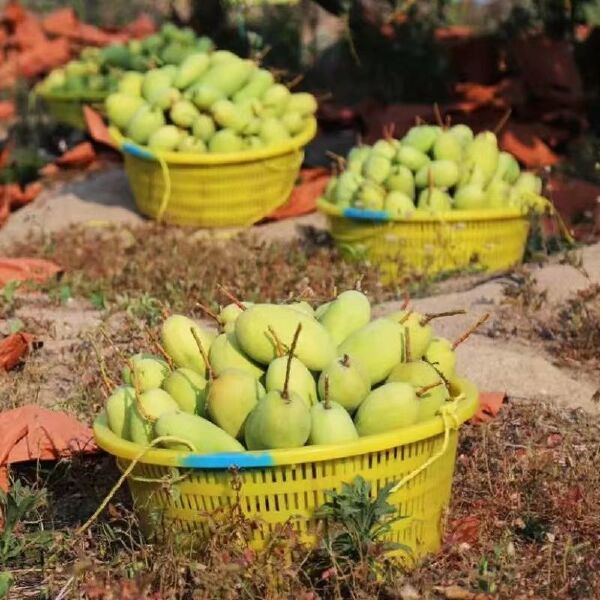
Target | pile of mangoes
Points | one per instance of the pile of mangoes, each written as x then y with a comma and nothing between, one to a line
434,169
98,69
282,376
212,102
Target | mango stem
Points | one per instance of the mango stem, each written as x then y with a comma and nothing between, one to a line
407,353
442,376
288,368
470,331
231,297
326,403
345,362
159,347
438,115
449,313
423,390
406,300
208,312
209,369
280,348
138,393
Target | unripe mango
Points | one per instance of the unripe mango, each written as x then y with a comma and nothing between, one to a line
260,81
421,137
302,102
348,382
180,344
434,200
203,128
448,147
401,179
349,312
347,185
130,83
497,194
230,399
292,121
275,99
391,406
204,436
470,197
441,355
411,158
204,95
228,315
118,409
377,168
120,108
230,76
528,182
272,131
188,389
165,139
229,115
225,141
463,133
399,205
385,148
225,353
300,381
439,173
192,67
183,113
144,123
370,196
154,403
191,145
154,84
149,372
377,346
315,347
330,424
419,335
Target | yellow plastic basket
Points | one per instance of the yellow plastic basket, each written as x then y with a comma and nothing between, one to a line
68,108
487,240
214,190
278,486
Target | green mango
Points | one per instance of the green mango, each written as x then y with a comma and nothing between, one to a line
228,315
419,333
434,200
272,131
260,81
252,129
118,409
204,436
254,142
144,123
166,98
120,108
174,53
188,389
204,95
180,344
411,158
225,353
448,147
229,115
275,100
184,113
190,69
220,57
384,148
377,346
349,312
230,399
204,44
303,307
154,403
399,205
377,168
348,382
280,421
389,407
154,83
512,171
225,141
293,121
497,194
320,310
439,173
483,152
115,55
507,169
348,184
463,133
421,137
528,182
203,128
251,433
303,103
130,83
300,382
370,196
470,197
149,371
230,76
315,348
165,139
191,145
330,424
441,355
401,179
420,375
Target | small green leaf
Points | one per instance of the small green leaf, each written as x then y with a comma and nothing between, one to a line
98,299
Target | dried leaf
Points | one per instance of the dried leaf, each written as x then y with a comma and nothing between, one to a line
13,349
490,404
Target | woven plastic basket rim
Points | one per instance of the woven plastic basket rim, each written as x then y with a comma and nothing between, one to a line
73,97
452,216
180,158
120,448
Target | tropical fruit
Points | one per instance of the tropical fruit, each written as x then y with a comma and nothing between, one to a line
346,382
226,353
118,411
301,381
179,336
145,371
349,312
148,407
188,389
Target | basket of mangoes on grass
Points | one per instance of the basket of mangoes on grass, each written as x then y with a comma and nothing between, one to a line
292,400
439,199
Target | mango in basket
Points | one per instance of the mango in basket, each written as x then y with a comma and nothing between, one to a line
377,346
204,436
231,116
190,69
347,185
130,83
483,152
144,123
356,159
497,194
448,147
463,133
146,370
370,196
401,179
183,113
231,397
203,127
225,140
148,407
154,84
228,315
226,353
528,182
303,103
188,389
442,174
272,131
348,313
399,205
260,81
440,354
191,145
253,328
470,197
330,424
346,382
165,139
180,343
293,121
120,108
423,376
230,76
385,148
434,200
411,157
275,100
118,410
421,137
391,406
301,381
508,168
377,167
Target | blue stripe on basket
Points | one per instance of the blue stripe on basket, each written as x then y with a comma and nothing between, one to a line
137,151
225,460
368,215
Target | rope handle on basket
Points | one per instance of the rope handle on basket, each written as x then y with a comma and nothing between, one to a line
136,459
451,422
